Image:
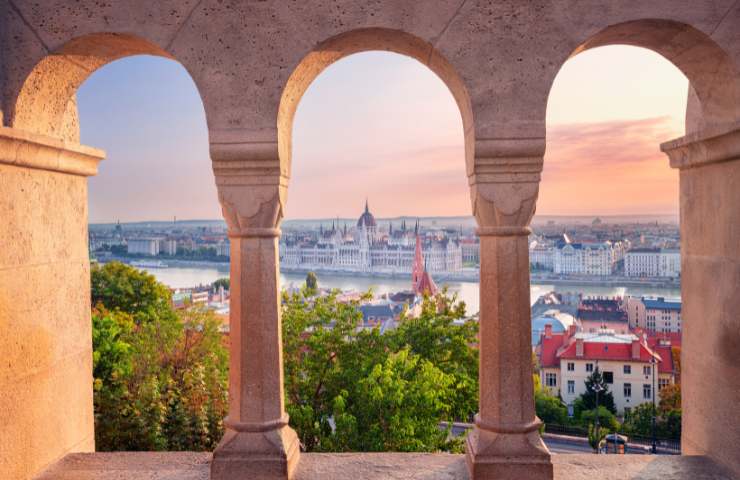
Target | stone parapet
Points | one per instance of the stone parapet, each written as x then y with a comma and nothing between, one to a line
32,150
379,466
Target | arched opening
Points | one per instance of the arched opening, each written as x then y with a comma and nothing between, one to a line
372,91
56,331
46,102
363,40
617,159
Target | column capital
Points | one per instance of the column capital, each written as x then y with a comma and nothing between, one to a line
252,188
33,150
711,145
504,183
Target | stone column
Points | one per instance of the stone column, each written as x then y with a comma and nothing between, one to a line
46,395
709,172
258,442
505,442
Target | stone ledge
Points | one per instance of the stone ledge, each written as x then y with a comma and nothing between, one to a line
32,150
377,466
712,145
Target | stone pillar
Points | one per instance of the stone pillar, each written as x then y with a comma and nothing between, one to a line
46,395
258,442
709,164
505,442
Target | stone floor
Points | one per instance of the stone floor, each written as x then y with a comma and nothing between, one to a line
372,466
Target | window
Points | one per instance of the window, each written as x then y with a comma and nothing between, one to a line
627,411
647,391
627,390
589,367
571,386
551,379
571,366
627,369
662,383
646,370
608,377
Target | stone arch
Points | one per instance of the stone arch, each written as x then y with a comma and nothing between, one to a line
363,40
46,102
714,96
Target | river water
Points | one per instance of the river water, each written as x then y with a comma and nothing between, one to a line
181,277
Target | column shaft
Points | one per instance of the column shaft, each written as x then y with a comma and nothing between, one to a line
506,388
505,443
258,442
256,368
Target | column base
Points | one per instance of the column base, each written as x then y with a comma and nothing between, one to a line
503,456
268,455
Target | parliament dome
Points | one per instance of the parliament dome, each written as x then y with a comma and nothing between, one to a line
366,219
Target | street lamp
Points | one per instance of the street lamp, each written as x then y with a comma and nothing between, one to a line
597,388
654,448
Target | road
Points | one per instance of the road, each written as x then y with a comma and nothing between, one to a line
559,446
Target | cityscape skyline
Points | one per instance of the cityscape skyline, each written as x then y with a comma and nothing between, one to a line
602,123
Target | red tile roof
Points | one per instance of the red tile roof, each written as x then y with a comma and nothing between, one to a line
549,349
606,351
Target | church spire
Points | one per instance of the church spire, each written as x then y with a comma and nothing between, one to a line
367,208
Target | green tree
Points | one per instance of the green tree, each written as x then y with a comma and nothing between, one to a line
312,283
550,409
640,419
222,282
160,378
606,418
441,336
588,398
350,389
120,287
595,436
396,407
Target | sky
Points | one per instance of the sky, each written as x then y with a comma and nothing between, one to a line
382,126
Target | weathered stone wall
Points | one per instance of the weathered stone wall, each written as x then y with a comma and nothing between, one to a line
251,62
711,276
46,405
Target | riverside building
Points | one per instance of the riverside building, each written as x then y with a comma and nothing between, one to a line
365,248
626,361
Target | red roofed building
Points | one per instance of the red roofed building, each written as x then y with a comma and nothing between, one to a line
626,361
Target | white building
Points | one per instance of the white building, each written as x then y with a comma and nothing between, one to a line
363,249
625,361
223,249
169,246
143,246
652,262
586,258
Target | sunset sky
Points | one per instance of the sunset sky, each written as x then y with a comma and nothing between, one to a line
383,126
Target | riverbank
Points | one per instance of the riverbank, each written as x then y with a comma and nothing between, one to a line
466,276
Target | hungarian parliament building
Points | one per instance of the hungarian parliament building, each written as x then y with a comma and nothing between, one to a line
365,248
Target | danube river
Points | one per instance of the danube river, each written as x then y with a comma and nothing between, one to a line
180,277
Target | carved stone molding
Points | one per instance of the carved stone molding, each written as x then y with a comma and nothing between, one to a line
252,189
504,183
31,150
712,145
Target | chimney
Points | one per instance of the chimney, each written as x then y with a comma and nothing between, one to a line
548,330
635,349
572,329
579,347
